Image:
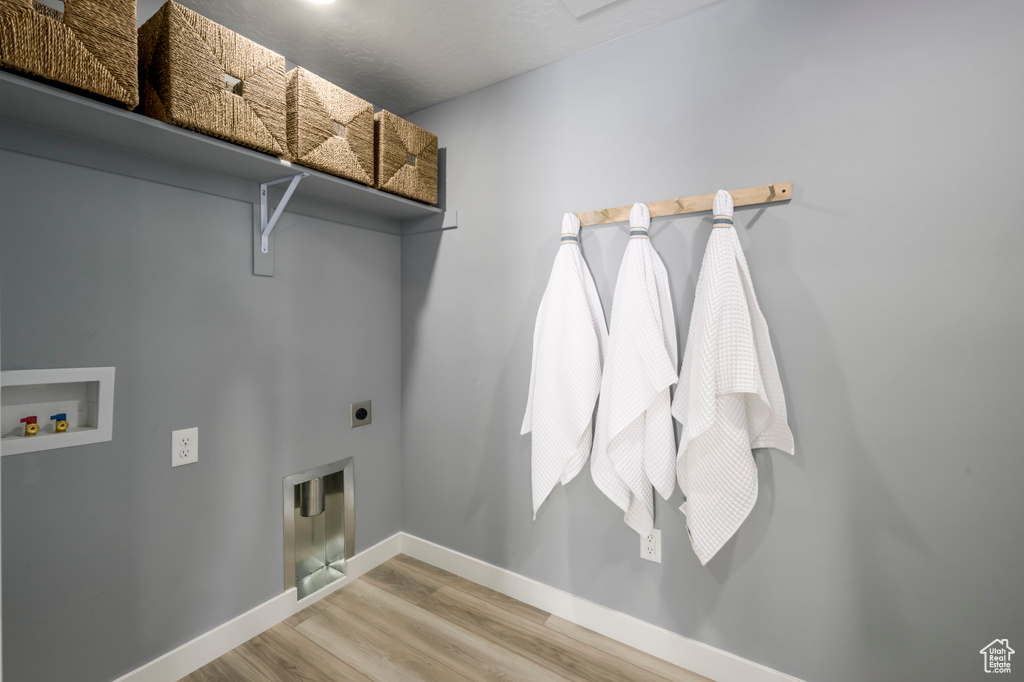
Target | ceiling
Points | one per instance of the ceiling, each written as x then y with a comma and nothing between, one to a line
403,55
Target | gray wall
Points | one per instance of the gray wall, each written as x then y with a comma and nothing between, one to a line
110,557
888,548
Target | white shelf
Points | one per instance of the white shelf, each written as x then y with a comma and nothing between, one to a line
84,394
33,106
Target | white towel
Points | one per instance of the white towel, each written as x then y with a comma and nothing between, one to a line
729,398
568,350
634,441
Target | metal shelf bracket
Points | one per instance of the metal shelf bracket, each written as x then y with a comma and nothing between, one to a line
267,226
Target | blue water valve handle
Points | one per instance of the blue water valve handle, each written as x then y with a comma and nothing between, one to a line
61,422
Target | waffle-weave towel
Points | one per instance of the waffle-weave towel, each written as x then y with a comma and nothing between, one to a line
569,340
729,398
634,441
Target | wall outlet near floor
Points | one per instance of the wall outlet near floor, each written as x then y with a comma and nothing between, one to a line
361,415
184,446
650,546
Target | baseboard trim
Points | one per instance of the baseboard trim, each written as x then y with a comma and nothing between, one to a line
193,655
685,652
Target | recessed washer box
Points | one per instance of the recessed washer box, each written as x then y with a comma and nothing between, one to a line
84,394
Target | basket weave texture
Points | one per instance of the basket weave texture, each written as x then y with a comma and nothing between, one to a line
185,61
328,128
91,46
406,158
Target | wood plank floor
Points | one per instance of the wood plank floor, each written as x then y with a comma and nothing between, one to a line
407,620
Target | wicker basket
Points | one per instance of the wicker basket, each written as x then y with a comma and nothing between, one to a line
197,74
89,47
406,158
328,128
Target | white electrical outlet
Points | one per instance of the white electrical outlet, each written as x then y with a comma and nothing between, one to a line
184,446
650,546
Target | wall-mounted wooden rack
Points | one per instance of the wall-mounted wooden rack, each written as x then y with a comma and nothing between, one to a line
751,196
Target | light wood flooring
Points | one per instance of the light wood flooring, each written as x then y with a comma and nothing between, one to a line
407,620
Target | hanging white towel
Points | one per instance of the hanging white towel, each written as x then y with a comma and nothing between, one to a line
568,351
634,441
729,398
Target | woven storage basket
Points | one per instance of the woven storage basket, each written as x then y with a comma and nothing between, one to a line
90,46
328,128
406,158
197,74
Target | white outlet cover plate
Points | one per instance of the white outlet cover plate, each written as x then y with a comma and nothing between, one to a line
650,546
184,446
